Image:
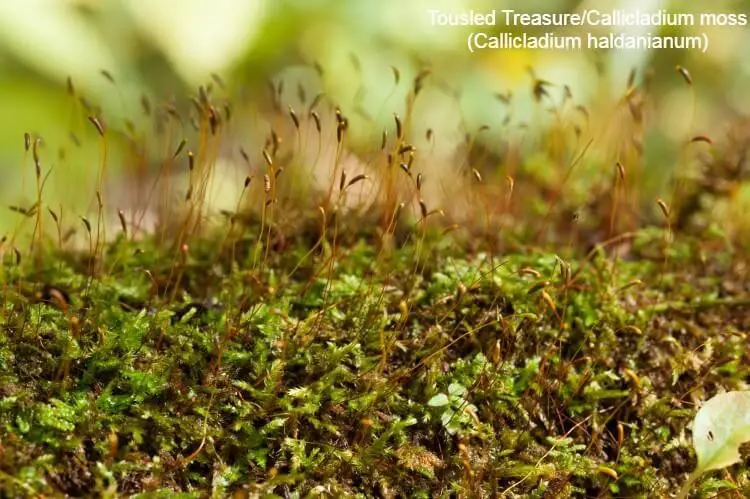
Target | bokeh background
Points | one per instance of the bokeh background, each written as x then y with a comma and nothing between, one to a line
164,49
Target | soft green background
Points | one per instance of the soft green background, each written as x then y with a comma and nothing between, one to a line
166,48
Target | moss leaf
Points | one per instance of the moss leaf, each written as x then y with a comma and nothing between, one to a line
438,400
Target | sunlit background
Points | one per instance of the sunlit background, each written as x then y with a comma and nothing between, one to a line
165,49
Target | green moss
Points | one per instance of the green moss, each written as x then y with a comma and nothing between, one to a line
368,376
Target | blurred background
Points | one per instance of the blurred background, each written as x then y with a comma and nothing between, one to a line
124,55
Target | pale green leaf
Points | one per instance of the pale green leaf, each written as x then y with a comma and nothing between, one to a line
456,389
438,400
720,427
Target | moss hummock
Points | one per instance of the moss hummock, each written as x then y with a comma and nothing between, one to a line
344,369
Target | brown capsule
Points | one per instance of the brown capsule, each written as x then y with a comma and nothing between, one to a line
428,134
245,156
540,89
123,223
98,125
633,329
35,150
278,172
266,183
399,129
702,138
631,78
276,141
384,140
189,193
664,208
301,93
423,208
342,181
26,141
87,224
685,74
108,76
191,161
538,287
294,117
227,111
248,179
18,255
419,80
340,131
396,74
450,228
53,215
406,148
214,119
621,171
71,88
19,209
504,98
316,119
477,175
99,199
356,179
218,80
548,300
605,470
529,271
267,157
405,168
419,181
179,149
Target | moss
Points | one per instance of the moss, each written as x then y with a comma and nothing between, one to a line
462,377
